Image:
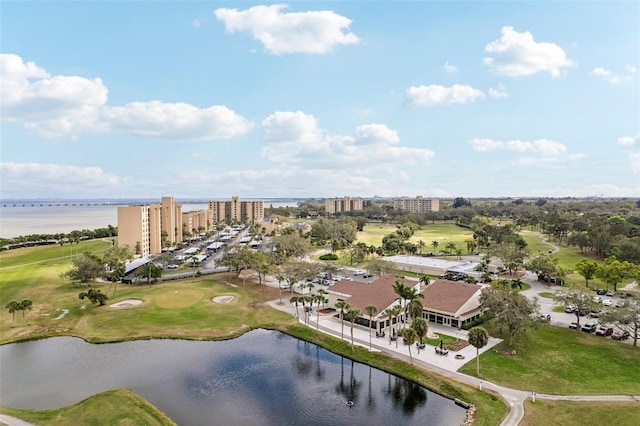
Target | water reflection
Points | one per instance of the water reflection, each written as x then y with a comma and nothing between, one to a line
262,378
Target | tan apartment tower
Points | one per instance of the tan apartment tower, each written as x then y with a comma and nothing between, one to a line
245,211
139,228
172,220
198,221
339,205
417,205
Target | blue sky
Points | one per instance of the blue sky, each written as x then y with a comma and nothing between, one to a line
125,99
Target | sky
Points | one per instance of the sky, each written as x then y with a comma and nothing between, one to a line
210,99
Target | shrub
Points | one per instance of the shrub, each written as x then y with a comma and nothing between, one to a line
329,256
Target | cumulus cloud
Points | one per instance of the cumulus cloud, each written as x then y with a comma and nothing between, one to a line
42,180
440,95
629,141
498,92
450,68
296,139
57,106
543,147
519,55
175,121
283,32
612,78
632,143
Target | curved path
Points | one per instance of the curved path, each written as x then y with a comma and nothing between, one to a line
443,365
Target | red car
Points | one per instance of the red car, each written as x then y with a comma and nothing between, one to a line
604,331
620,335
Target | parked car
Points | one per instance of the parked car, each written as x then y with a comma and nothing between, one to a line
600,292
545,317
610,293
358,272
569,309
595,313
589,327
620,335
172,266
597,299
367,275
607,302
619,304
573,325
624,295
604,330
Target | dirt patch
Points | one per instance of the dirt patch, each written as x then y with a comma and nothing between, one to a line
223,299
126,303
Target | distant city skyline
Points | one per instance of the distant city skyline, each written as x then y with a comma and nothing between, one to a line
196,100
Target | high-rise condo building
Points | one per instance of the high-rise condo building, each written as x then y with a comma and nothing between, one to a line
346,204
237,210
417,205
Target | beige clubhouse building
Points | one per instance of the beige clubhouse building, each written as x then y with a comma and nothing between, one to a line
146,229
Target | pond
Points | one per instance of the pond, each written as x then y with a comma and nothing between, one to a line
263,378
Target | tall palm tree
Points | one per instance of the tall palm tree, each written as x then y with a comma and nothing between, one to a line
352,316
435,245
342,306
371,311
424,280
319,298
420,326
421,244
396,310
415,309
389,312
400,289
478,337
409,337
295,300
410,294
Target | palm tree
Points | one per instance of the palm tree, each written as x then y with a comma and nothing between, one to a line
396,310
415,309
411,294
478,337
14,306
319,299
421,244
343,306
400,289
371,311
352,316
295,300
280,277
24,305
420,326
424,280
409,338
435,244
450,247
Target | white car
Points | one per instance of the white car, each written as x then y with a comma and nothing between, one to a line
597,299
607,302
358,272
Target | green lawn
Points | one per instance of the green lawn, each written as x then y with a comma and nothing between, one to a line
570,413
546,294
443,233
118,407
563,361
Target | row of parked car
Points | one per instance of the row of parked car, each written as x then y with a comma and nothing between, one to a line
601,330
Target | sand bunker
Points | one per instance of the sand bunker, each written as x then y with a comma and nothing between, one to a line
126,302
223,299
62,315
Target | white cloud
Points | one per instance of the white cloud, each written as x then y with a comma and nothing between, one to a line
69,105
289,32
48,106
42,180
482,145
629,141
544,147
577,156
295,139
450,68
498,92
632,143
612,78
518,54
440,95
175,121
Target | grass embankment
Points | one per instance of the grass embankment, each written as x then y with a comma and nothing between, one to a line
569,413
490,407
562,361
118,407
